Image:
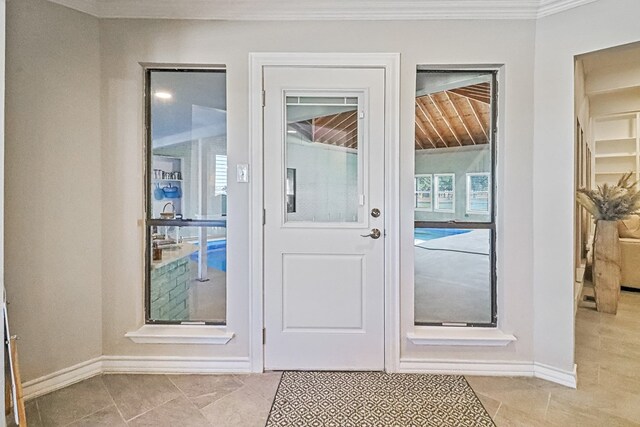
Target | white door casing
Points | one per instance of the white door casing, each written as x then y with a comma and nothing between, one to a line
324,284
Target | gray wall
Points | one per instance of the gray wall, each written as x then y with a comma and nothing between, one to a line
53,194
459,161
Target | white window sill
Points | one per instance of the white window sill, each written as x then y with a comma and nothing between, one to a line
180,334
459,336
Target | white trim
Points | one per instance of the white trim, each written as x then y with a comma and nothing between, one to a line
293,10
490,368
460,336
173,365
390,62
551,7
555,375
180,334
62,378
132,365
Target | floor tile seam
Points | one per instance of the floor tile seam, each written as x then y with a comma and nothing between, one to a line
497,410
113,400
189,399
38,410
149,410
87,416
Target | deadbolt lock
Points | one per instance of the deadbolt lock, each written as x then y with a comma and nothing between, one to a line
375,212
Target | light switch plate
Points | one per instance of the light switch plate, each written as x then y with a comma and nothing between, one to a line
242,172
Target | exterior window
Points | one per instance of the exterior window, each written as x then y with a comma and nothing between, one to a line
445,192
478,193
423,192
454,243
186,193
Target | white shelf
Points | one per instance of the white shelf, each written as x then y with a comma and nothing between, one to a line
612,155
612,172
613,140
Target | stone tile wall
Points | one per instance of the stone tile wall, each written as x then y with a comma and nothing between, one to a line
170,291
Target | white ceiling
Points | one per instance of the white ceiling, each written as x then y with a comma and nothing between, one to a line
322,10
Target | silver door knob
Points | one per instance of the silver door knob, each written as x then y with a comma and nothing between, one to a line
375,212
375,234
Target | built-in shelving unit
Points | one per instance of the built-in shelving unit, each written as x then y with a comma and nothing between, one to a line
172,167
617,147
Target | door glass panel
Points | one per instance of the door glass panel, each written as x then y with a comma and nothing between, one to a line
322,175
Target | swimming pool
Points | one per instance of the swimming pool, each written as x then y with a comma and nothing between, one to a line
436,233
216,255
217,249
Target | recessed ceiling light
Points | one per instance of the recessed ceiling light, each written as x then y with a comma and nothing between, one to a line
163,95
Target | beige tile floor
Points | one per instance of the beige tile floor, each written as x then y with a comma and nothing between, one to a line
608,394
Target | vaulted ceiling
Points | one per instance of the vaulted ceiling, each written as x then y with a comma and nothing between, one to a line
336,129
327,9
453,118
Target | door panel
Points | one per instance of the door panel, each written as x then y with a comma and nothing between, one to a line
324,172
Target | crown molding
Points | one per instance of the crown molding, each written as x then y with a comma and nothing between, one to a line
89,7
290,10
551,7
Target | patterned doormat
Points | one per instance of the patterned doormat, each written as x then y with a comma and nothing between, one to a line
378,399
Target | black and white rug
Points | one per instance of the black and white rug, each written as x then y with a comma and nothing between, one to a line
378,399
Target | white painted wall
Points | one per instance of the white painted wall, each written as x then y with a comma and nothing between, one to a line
75,207
125,43
559,38
53,196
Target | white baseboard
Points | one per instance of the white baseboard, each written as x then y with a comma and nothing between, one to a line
490,368
550,373
62,378
133,365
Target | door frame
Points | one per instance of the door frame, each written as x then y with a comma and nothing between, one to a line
390,62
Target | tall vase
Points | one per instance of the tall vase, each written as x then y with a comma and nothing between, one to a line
606,266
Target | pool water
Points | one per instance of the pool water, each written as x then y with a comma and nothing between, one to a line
436,233
216,255
217,249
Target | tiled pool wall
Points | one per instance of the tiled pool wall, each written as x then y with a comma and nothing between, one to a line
170,291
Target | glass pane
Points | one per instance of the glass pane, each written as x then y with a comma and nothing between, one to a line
423,192
188,273
188,181
478,193
322,168
454,267
452,275
188,145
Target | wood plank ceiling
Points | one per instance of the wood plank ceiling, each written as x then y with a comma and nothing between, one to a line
453,118
339,129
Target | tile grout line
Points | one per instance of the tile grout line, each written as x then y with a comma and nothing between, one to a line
39,414
188,399
112,399
155,407
497,410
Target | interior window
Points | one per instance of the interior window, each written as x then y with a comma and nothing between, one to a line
454,226
186,258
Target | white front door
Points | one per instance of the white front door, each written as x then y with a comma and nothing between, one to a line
324,190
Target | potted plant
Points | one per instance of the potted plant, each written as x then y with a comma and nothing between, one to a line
608,204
